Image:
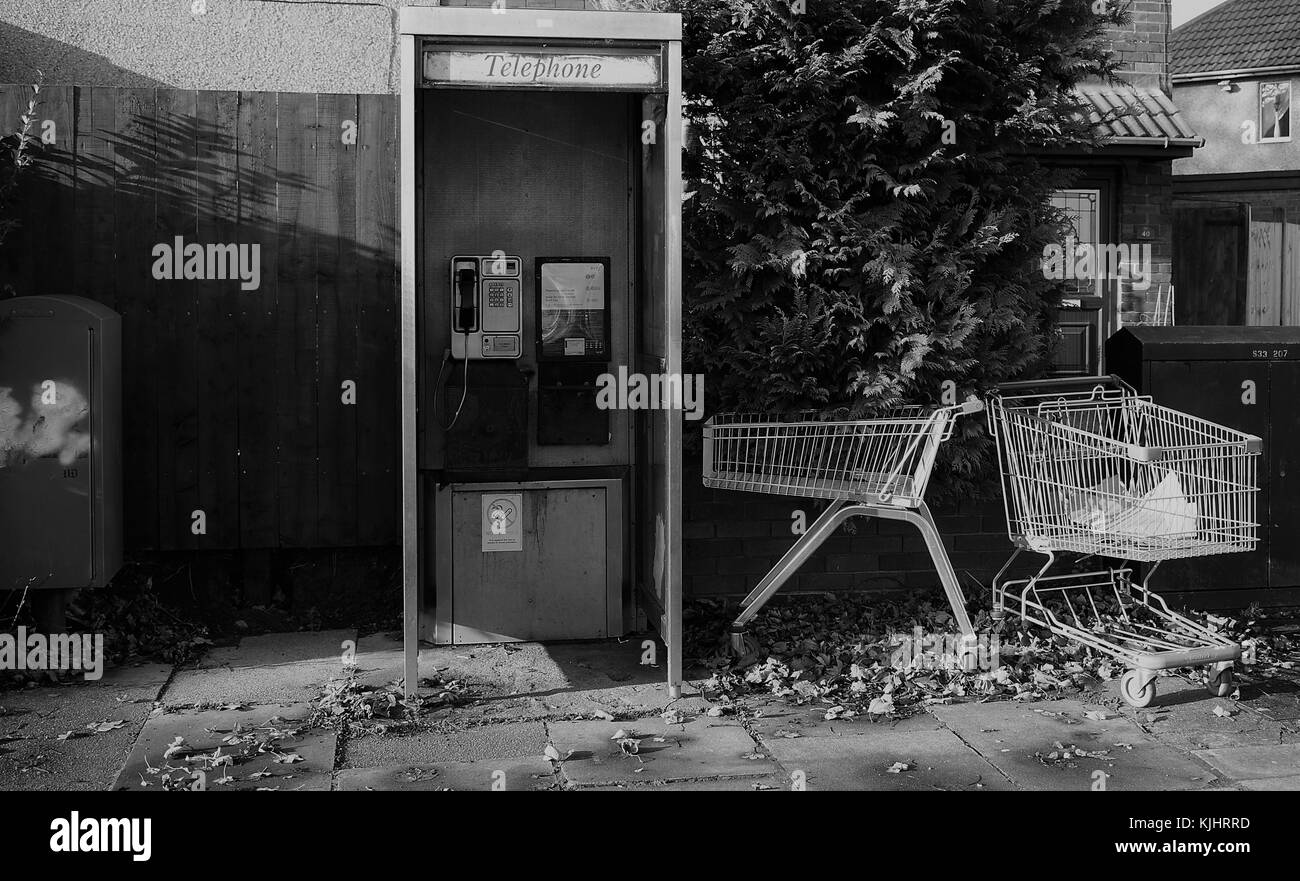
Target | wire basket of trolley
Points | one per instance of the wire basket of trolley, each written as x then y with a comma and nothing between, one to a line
1091,468
866,468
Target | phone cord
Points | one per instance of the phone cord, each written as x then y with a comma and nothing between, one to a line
464,392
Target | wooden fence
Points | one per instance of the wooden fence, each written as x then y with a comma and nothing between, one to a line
1273,281
236,400
1236,266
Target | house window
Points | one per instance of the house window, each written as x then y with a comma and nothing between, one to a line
1082,207
1275,111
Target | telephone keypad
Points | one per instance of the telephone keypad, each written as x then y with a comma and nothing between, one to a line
500,295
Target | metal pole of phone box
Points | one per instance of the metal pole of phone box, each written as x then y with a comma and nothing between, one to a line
410,441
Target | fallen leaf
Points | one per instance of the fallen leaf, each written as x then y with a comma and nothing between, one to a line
176,747
881,705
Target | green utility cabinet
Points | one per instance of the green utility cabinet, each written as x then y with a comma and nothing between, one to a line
1247,378
60,443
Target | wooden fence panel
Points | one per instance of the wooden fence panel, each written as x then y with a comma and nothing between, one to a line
233,398
1291,274
377,346
133,207
296,326
1264,281
217,346
256,378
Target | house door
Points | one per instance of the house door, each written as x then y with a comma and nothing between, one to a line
1087,315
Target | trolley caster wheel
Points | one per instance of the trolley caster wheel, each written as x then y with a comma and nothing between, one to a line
743,645
1136,692
1221,683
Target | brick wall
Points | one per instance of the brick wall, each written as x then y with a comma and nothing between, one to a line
731,539
1142,45
1145,200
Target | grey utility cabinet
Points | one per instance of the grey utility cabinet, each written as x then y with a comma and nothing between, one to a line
60,443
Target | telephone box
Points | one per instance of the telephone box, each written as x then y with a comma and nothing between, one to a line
541,266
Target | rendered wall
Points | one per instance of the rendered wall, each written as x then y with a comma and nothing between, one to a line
324,46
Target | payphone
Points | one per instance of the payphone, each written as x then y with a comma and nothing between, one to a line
486,307
541,254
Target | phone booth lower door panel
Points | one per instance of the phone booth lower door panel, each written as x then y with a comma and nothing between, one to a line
529,561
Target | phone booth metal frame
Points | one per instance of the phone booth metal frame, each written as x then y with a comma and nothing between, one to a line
534,29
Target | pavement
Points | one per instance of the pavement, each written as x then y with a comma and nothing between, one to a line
591,716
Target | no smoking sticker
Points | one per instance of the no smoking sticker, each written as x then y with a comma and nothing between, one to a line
501,525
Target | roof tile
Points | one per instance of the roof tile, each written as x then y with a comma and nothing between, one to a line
1124,111
1238,35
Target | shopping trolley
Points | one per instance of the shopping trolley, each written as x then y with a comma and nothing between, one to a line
1089,467
866,468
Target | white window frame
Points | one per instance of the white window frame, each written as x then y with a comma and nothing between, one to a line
1259,101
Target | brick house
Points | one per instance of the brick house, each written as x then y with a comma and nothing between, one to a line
1239,197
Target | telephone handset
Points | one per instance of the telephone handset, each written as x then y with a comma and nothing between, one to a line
466,287
486,307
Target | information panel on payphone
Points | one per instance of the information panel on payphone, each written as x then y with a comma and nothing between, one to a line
486,307
573,309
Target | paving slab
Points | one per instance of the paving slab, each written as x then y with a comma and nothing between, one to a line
205,730
1272,784
937,759
380,659
1183,716
1273,698
778,719
1255,762
1019,739
517,681
771,783
485,742
32,757
701,748
272,669
511,775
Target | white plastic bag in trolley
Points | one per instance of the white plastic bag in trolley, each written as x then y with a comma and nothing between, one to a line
1162,512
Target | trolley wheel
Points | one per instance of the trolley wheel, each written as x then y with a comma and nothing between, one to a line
1221,683
743,645
1137,692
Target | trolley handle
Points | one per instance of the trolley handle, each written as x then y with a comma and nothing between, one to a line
1059,382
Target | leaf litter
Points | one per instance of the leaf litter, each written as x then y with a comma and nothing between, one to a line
851,653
